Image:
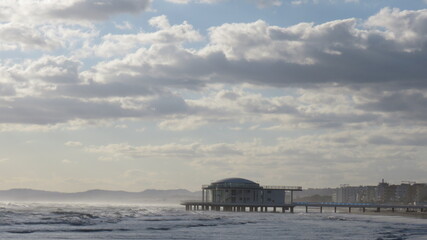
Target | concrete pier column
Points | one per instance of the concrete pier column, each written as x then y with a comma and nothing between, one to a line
283,209
274,209
261,209
364,209
335,209
392,209
306,209
321,210
349,209
292,209
378,209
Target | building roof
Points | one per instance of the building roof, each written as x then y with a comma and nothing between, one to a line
233,183
235,180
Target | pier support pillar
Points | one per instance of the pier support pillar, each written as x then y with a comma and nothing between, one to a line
392,209
364,209
335,209
378,209
274,209
292,209
306,209
349,209
283,209
321,209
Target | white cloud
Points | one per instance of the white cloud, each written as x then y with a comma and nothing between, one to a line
405,28
343,152
73,144
13,36
124,26
67,161
187,123
113,45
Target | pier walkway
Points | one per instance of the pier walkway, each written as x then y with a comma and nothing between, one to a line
361,206
243,207
237,207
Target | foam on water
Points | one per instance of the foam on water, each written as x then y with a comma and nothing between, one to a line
81,221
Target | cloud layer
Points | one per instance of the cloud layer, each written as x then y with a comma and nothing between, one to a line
339,95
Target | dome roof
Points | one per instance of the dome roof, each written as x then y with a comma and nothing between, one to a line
235,180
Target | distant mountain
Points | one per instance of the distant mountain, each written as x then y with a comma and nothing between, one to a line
147,196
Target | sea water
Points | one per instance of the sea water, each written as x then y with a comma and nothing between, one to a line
85,221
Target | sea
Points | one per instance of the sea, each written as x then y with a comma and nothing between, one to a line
117,221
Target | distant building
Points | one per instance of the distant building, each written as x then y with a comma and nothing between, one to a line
405,193
420,193
239,190
239,194
348,194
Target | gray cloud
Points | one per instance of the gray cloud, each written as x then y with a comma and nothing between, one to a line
31,110
71,11
361,59
98,10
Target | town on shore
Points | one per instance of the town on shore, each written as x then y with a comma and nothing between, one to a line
408,193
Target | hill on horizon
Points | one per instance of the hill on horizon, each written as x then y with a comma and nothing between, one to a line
98,195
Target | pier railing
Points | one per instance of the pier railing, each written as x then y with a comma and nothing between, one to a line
291,188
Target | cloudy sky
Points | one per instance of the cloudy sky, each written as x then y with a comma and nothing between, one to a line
138,94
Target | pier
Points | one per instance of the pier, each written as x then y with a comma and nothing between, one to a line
243,195
361,206
319,207
237,207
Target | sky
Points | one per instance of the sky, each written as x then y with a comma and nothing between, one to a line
167,94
